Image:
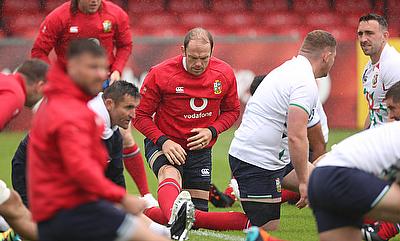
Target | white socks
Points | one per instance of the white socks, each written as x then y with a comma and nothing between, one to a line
160,229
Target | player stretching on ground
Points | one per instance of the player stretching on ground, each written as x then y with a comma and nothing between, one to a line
359,177
108,25
67,159
317,134
194,98
381,72
23,88
281,107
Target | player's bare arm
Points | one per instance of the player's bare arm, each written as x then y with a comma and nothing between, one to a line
201,138
298,146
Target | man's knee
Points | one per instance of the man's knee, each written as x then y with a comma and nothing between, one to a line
169,171
272,225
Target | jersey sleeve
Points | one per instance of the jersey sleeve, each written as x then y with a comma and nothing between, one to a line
230,107
123,43
10,106
315,118
49,32
391,74
74,142
303,95
151,98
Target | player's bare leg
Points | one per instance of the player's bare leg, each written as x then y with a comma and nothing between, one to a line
341,234
16,214
291,182
143,233
388,208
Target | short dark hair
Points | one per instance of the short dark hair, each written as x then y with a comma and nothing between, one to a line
119,89
317,40
196,33
256,82
78,47
376,17
394,92
34,70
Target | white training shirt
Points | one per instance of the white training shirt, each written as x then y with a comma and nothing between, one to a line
319,117
258,140
97,106
377,79
375,151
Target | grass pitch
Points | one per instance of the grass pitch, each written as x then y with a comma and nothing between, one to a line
296,225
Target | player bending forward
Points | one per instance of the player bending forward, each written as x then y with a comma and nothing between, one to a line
359,177
23,88
67,160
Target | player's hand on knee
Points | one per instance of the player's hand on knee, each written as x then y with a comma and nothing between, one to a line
174,152
303,202
200,140
133,204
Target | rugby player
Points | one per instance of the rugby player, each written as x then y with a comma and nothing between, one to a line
317,133
16,90
358,178
281,107
379,75
193,98
108,25
67,159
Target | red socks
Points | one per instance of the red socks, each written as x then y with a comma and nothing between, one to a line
134,163
167,192
387,230
156,215
221,221
289,195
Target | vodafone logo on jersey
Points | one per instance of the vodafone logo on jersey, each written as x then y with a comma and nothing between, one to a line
198,108
198,105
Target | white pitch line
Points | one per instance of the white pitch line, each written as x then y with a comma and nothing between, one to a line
220,236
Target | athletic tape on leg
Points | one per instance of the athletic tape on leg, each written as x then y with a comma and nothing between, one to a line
4,192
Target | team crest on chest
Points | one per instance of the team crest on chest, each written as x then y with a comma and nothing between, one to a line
107,26
217,87
375,80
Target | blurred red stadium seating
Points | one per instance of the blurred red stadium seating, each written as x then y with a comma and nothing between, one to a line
145,6
243,17
266,6
311,6
192,6
191,20
323,20
229,6
353,7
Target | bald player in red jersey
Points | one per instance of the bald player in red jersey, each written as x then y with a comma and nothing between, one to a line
193,98
108,25
16,90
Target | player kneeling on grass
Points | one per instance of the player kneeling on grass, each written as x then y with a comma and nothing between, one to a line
70,197
22,88
281,107
358,178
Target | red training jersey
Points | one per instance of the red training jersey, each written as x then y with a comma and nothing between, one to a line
182,101
12,97
66,155
109,26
